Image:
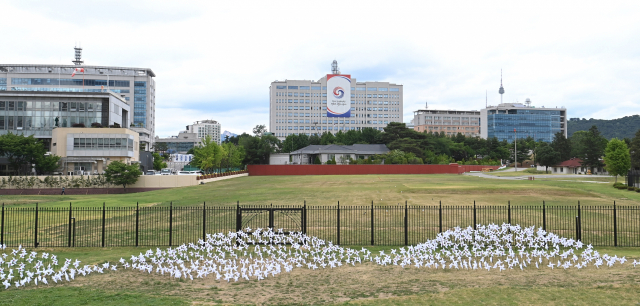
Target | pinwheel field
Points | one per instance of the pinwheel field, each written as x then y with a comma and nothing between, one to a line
492,264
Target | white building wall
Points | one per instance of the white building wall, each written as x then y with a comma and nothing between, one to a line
299,106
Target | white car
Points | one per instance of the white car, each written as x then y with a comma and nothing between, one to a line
188,173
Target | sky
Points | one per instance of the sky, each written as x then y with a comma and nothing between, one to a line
217,59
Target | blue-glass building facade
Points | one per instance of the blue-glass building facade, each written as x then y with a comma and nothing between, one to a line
508,121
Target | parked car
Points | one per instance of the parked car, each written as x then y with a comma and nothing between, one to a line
150,172
166,171
188,173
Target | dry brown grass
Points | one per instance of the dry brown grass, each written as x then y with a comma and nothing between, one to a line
360,283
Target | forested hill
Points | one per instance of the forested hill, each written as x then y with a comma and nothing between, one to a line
625,127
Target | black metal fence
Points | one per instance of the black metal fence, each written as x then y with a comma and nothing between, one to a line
348,225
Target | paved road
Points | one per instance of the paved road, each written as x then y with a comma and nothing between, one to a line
537,176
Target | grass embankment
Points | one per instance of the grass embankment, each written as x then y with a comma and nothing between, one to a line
359,190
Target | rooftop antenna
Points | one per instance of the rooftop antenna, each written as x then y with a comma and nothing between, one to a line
427,105
334,67
486,100
78,60
528,102
501,91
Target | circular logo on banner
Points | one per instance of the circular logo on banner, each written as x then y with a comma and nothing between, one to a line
338,92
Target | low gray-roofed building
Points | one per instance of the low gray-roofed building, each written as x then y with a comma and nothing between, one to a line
341,153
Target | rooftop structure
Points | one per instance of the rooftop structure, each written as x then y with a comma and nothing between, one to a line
450,122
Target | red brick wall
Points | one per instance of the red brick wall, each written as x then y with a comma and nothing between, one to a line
360,169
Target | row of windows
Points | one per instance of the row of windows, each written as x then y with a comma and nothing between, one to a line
64,89
325,128
103,144
325,115
325,88
451,118
72,82
3,81
308,101
39,122
316,133
46,106
353,95
450,123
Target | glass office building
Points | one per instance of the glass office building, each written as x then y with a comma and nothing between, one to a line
510,120
38,113
136,86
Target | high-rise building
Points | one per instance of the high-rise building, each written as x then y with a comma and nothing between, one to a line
135,85
206,128
510,120
450,122
300,106
38,113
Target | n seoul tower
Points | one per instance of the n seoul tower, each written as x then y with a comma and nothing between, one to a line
501,91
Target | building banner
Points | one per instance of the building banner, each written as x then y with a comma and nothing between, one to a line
338,95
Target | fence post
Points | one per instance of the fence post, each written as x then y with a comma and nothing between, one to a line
170,223
103,221
544,216
238,217
304,218
204,221
440,216
509,212
474,215
372,241
579,237
338,238
2,227
406,224
577,227
615,225
70,216
137,221
35,241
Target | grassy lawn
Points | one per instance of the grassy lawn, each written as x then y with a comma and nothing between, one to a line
365,284
360,285
359,190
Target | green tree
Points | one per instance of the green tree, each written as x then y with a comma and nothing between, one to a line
47,163
592,148
22,151
208,156
158,162
547,156
258,148
233,156
634,151
119,173
160,147
562,145
259,130
327,138
617,158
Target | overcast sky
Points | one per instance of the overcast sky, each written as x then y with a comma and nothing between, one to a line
216,59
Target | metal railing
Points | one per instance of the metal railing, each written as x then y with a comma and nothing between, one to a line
608,225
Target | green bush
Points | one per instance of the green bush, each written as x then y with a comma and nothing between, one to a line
631,188
534,171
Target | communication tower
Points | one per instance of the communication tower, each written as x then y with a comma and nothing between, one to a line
501,91
78,60
334,67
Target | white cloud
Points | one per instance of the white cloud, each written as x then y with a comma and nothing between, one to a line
216,59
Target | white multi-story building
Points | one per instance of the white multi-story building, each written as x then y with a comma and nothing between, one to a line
300,106
204,128
450,122
135,85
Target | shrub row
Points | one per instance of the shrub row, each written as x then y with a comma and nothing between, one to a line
214,175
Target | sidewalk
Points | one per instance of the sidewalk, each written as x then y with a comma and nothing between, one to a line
223,178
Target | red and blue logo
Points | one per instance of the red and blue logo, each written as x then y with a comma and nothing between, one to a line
338,92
